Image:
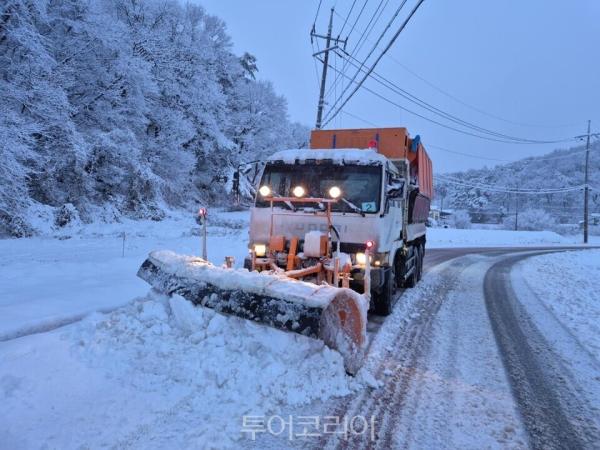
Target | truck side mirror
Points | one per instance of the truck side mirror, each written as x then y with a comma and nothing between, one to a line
394,190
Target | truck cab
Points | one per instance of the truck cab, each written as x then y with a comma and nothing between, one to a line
355,198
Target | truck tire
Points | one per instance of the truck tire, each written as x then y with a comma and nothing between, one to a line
421,253
411,281
384,301
422,258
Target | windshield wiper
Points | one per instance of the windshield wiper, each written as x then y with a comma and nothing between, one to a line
287,203
353,207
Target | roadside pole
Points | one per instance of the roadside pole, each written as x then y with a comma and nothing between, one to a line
325,61
586,186
202,213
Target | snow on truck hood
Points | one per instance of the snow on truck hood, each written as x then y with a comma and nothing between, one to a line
338,156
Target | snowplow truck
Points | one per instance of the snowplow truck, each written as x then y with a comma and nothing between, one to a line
334,231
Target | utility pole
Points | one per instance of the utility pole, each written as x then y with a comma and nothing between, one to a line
517,209
325,61
586,187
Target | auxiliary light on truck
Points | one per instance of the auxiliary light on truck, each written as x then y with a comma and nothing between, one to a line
299,191
265,191
260,250
335,192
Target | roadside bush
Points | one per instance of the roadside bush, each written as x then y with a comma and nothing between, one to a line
532,220
460,219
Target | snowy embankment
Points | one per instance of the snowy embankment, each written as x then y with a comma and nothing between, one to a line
52,280
566,284
157,373
451,237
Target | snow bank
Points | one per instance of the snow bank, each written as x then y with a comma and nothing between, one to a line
450,237
567,284
46,282
158,373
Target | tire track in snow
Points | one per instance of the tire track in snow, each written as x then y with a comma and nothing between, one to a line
554,414
410,345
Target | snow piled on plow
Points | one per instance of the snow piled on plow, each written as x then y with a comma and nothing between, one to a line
266,283
158,373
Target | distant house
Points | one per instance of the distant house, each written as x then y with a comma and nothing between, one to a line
594,219
436,214
488,215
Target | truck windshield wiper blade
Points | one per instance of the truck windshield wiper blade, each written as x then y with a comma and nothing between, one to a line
287,203
352,206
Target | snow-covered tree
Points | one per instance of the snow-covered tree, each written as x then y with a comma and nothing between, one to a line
137,105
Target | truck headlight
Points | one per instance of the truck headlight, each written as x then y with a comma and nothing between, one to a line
361,259
260,250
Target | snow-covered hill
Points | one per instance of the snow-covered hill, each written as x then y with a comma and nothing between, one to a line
558,169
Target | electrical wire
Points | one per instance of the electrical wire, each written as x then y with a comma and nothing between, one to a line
360,118
317,14
450,180
361,40
403,108
347,17
330,115
468,105
423,104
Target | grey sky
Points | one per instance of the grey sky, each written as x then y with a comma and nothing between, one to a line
528,61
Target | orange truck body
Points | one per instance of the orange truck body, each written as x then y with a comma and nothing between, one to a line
393,143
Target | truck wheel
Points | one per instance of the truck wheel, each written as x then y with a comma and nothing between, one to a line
421,259
411,281
384,300
419,263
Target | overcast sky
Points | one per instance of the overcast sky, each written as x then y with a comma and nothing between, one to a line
526,68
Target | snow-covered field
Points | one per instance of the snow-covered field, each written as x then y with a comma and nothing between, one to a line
451,237
567,285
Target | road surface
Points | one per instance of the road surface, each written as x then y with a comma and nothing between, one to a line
466,366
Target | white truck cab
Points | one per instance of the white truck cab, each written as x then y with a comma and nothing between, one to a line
374,200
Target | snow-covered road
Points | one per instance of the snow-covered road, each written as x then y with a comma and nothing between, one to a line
158,373
474,359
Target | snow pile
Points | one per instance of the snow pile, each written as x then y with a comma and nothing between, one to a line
226,367
450,237
567,284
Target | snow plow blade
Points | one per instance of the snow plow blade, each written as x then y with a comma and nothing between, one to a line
337,316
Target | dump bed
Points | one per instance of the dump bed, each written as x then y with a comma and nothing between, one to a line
393,143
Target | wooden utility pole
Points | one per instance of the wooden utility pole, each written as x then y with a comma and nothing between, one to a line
586,187
325,61
517,209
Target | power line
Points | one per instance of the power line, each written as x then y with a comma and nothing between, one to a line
468,105
431,108
347,17
508,190
385,50
331,115
361,40
359,118
470,155
377,94
317,14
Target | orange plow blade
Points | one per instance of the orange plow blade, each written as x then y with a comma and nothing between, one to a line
337,316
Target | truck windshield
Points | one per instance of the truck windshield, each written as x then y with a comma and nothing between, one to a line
360,184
